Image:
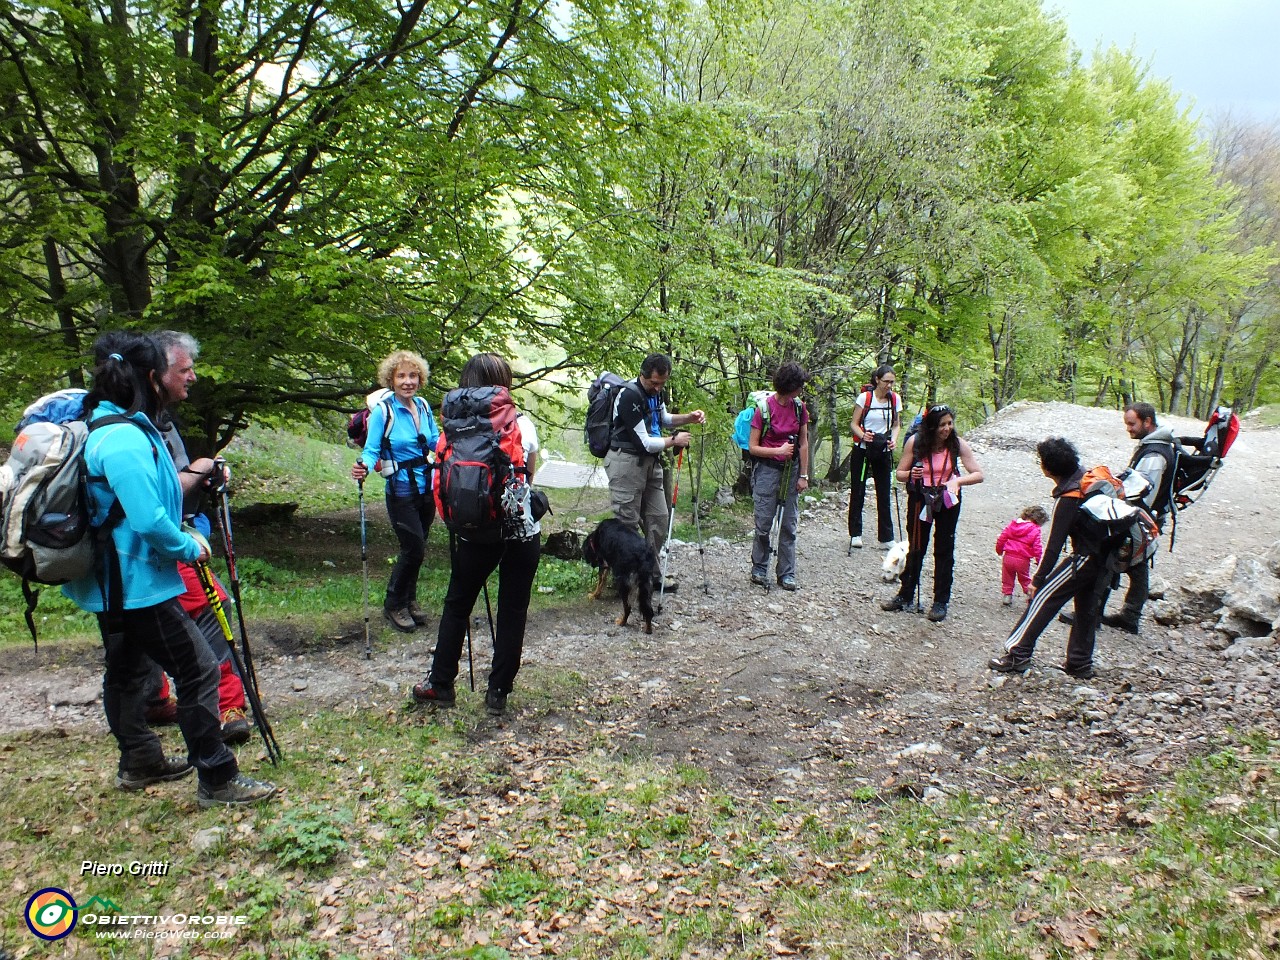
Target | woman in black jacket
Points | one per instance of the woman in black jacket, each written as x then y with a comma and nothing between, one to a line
1081,576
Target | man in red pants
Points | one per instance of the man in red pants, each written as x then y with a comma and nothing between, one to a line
231,702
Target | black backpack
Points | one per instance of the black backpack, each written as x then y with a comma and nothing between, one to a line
599,426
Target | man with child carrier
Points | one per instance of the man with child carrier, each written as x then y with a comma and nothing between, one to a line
1155,458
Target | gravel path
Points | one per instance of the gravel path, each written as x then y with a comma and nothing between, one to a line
819,694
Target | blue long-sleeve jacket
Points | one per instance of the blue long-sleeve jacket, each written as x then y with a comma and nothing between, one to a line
403,443
131,463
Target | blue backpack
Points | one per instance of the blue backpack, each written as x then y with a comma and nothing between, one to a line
61,406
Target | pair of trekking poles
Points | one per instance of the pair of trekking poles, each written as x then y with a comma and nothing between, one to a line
242,658
784,494
697,517
364,562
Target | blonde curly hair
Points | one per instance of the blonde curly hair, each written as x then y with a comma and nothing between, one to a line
402,358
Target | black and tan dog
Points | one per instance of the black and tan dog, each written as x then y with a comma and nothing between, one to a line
614,547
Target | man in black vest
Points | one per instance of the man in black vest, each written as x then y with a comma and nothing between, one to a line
1155,459
636,445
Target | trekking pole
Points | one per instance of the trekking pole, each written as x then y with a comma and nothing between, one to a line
453,563
223,517
697,519
671,524
274,753
775,529
364,562
493,639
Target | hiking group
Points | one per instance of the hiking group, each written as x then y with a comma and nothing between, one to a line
140,558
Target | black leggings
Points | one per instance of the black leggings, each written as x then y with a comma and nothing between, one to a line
517,563
944,549
862,465
411,518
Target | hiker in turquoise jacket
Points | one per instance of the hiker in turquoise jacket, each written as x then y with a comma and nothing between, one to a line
151,543
135,585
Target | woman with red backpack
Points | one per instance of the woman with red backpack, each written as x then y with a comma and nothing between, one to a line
501,452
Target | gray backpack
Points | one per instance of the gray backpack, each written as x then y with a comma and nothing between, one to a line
45,533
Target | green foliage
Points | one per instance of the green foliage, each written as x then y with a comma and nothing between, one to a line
309,836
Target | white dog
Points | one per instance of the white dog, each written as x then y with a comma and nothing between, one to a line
894,561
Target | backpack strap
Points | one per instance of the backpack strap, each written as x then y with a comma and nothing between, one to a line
384,451
111,581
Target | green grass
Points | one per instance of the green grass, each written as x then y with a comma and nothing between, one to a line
443,821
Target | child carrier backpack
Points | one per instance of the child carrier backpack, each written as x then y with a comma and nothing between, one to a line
1122,532
478,456
1194,471
598,430
45,531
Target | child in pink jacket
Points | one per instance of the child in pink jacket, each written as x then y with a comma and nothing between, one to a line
1019,544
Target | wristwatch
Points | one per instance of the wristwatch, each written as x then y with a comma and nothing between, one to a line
804,476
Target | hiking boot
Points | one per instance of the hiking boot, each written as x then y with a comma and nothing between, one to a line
495,703
401,619
897,602
788,583
1068,618
237,791
937,613
1007,599
170,768
855,542
1010,664
758,578
886,545
235,728
1081,673
1120,622
418,614
162,712
427,692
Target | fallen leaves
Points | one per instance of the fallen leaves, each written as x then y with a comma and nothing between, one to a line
1077,931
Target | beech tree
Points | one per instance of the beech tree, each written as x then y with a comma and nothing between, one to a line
301,186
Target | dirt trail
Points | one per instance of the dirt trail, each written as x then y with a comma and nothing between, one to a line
819,693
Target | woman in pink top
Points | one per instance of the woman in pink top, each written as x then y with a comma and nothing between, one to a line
930,468
1019,544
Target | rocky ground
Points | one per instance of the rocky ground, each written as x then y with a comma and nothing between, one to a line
819,694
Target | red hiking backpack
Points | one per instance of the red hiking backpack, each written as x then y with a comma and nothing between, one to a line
478,457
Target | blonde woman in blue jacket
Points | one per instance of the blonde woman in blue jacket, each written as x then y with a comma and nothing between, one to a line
401,454
139,615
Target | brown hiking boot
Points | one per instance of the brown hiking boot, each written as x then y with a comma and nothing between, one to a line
418,614
401,619
235,727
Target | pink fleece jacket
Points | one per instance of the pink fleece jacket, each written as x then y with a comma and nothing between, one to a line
1021,538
